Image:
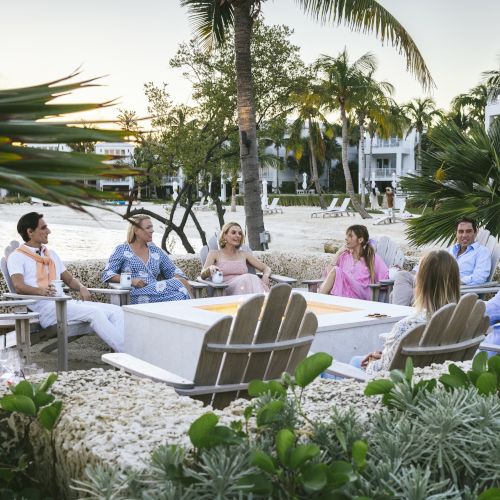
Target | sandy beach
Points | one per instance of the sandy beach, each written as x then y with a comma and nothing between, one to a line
80,236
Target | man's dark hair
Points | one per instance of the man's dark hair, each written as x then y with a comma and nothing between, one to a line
28,221
469,220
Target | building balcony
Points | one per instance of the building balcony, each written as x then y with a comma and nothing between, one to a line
381,173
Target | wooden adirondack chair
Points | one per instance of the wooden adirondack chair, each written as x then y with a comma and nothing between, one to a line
390,253
453,333
491,243
218,289
264,339
62,330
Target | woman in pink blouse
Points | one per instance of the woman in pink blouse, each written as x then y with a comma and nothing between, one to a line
354,267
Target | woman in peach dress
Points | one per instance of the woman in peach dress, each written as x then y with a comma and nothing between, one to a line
233,263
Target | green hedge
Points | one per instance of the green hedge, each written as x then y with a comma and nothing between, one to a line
302,200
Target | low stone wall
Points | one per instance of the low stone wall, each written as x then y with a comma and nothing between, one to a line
110,418
296,265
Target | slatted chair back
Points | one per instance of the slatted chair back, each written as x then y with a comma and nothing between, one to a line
344,205
213,244
11,247
263,340
454,333
390,252
491,243
333,204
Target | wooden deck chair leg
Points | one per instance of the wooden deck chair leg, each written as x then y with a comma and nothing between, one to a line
23,339
62,336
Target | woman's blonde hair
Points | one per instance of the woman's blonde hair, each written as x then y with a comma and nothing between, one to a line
225,229
437,281
367,250
134,222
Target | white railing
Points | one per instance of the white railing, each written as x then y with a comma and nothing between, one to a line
393,142
380,172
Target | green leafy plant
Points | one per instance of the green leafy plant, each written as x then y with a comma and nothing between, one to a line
34,401
399,390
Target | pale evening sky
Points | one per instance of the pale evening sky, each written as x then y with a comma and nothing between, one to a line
132,42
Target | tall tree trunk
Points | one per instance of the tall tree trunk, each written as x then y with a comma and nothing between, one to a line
314,170
418,165
246,122
277,170
233,197
345,165
362,159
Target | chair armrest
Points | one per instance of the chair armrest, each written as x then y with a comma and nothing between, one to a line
312,282
64,298
21,315
197,285
488,346
221,286
283,279
14,303
346,370
386,282
138,367
481,285
110,291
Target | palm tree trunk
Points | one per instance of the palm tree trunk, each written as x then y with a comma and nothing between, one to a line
246,122
277,170
345,165
362,159
314,170
233,197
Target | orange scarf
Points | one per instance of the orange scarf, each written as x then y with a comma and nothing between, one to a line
43,278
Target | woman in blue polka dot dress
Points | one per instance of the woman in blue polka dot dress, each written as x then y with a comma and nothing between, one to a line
146,263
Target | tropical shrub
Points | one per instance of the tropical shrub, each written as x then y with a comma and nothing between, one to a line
34,403
433,440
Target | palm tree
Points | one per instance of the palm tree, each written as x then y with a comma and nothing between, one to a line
370,101
473,102
213,18
460,176
310,118
341,86
52,175
421,114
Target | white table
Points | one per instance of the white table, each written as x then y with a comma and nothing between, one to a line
170,334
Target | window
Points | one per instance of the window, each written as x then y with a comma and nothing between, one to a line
383,163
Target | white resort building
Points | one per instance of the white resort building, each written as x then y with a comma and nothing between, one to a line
492,111
386,158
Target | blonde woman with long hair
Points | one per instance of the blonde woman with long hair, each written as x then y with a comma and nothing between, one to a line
233,262
147,263
437,284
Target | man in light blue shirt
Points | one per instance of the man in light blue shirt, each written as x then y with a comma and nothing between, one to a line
474,263
474,260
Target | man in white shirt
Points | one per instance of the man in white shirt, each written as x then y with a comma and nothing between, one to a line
473,259
32,267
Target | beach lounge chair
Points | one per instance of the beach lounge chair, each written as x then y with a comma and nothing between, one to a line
273,207
390,253
323,212
263,340
334,212
454,333
62,330
218,289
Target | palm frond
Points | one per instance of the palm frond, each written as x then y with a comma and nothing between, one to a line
370,16
460,176
211,19
51,175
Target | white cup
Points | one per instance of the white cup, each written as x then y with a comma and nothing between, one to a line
217,277
125,280
58,286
